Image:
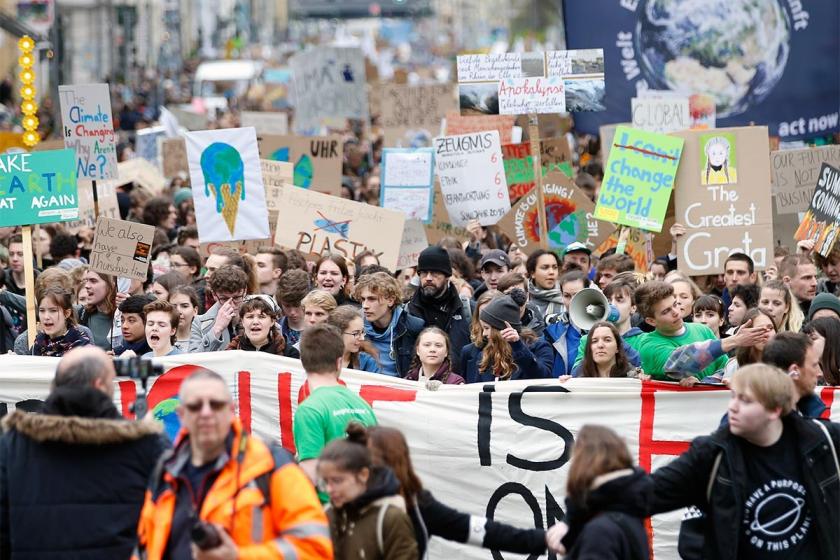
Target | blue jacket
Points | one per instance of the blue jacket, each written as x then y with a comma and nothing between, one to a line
564,339
533,361
632,354
368,363
396,344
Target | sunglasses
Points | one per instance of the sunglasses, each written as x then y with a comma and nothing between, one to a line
215,406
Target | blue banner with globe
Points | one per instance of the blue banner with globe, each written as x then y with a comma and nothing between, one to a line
768,62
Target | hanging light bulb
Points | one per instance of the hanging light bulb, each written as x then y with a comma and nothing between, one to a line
26,60
27,92
29,122
28,107
31,138
27,77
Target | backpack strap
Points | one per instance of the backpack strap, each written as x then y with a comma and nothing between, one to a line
380,527
711,482
830,443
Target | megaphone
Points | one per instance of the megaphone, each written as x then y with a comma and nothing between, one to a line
590,306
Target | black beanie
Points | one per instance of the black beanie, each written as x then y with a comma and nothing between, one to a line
499,311
436,259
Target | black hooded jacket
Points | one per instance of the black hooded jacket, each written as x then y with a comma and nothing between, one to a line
610,524
73,479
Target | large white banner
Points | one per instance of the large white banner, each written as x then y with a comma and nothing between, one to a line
499,450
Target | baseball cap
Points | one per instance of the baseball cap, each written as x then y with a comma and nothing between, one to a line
576,246
495,256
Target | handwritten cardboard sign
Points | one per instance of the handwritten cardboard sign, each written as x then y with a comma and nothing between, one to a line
317,224
88,128
143,174
38,188
317,160
411,115
639,178
414,241
441,226
795,173
661,114
407,182
173,153
723,217
519,167
122,248
276,175
822,220
503,124
266,122
569,217
472,177
521,96
639,247
329,82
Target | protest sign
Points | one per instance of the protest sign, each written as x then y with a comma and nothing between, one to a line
638,178
146,143
408,177
535,82
317,224
317,159
88,128
173,152
519,167
411,115
188,119
795,173
266,122
276,175
329,82
122,248
607,134
456,124
723,217
518,457
660,114
569,217
228,191
472,177
702,111
143,174
639,247
822,220
414,241
441,226
106,193
38,188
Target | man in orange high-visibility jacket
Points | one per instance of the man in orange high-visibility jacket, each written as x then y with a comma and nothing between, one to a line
259,501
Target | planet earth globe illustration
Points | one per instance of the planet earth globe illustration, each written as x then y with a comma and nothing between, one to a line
164,412
733,50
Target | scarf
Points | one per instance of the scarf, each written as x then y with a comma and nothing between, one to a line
549,301
60,345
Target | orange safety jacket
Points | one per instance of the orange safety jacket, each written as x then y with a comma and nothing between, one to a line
287,523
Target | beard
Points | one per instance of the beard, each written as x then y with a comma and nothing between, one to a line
431,291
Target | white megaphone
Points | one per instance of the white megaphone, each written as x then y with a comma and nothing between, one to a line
590,306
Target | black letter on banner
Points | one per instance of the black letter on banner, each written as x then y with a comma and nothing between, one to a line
514,488
517,415
485,417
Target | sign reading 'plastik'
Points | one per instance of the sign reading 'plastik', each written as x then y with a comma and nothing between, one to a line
639,178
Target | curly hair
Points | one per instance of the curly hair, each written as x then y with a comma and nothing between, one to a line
156,210
228,278
649,294
292,287
379,284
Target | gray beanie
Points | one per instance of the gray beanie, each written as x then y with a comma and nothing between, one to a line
500,310
824,300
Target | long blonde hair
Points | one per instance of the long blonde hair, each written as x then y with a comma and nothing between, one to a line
794,317
710,143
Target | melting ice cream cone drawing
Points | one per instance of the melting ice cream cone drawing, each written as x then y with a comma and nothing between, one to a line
224,178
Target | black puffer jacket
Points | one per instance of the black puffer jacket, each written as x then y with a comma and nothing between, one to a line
610,524
72,480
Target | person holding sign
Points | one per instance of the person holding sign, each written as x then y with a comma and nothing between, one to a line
59,333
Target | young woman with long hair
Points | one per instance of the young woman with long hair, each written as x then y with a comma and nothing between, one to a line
98,313
777,300
603,355
358,353
829,329
58,333
331,274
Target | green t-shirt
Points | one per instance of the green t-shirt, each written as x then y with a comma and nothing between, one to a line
656,348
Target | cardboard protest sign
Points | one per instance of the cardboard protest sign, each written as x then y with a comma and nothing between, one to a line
411,115
146,143
723,218
414,240
607,133
276,175
519,167
822,220
122,248
328,82
795,173
38,188
639,247
472,177
569,217
407,182
88,128
143,174
317,224
456,124
441,226
173,152
317,160
660,114
638,178
535,82
228,190
266,122
106,193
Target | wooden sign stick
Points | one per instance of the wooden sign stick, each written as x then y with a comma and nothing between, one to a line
29,284
95,201
534,137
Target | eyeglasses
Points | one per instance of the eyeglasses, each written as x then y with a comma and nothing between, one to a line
356,334
236,299
198,406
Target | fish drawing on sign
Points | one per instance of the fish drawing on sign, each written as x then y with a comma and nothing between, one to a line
224,177
329,226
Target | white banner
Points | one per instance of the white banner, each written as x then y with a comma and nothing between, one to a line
499,450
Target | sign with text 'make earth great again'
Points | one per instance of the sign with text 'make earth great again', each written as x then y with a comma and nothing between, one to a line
38,188
638,178
89,129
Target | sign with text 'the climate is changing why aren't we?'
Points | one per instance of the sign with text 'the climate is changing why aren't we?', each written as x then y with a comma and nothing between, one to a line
122,248
472,177
88,128
408,180
639,178
38,188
